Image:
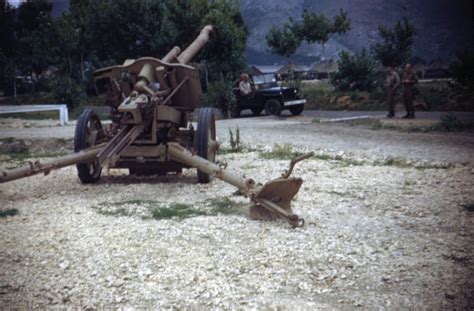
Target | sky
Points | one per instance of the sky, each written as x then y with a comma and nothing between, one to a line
15,3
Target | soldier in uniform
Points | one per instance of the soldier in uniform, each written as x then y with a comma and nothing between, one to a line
391,83
409,79
245,89
244,85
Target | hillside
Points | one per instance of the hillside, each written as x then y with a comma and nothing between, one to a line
443,26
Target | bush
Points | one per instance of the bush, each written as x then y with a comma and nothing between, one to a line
451,123
462,69
356,72
220,95
68,91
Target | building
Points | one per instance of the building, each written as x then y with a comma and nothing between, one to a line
324,69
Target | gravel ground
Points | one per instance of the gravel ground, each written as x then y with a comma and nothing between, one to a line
378,233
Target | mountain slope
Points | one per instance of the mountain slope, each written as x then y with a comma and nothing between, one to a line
443,27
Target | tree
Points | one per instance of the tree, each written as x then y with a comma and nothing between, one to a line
21,48
8,45
225,54
314,28
395,48
98,33
356,72
284,41
462,69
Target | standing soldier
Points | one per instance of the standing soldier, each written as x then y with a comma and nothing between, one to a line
391,83
408,80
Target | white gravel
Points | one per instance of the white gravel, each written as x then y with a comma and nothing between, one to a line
375,236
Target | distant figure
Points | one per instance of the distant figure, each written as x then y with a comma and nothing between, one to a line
409,79
391,83
244,85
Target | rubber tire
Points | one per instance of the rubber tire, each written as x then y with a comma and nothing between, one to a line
88,172
206,128
296,110
256,111
273,107
235,111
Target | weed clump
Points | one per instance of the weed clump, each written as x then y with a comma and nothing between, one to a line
450,123
8,212
235,143
281,152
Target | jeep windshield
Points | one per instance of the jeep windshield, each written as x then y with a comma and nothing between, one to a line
269,80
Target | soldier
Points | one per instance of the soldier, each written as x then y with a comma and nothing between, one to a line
391,83
245,89
244,85
409,79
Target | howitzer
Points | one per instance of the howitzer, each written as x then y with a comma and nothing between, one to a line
151,103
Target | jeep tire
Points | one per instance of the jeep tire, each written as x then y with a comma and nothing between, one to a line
273,107
296,110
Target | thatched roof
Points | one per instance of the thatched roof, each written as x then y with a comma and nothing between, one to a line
257,69
328,66
419,67
439,64
290,67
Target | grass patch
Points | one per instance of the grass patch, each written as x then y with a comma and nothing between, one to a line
160,210
432,96
373,124
408,190
155,209
281,152
8,212
323,156
447,123
450,123
176,210
350,162
7,140
390,161
63,142
469,207
425,166
409,183
323,96
223,205
398,162
341,161
404,163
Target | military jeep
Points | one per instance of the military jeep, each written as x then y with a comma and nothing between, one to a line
269,96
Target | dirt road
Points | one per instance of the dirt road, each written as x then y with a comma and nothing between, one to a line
389,224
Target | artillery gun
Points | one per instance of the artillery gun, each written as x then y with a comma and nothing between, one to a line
151,103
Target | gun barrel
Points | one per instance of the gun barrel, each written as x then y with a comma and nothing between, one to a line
181,154
273,198
204,37
33,168
172,55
